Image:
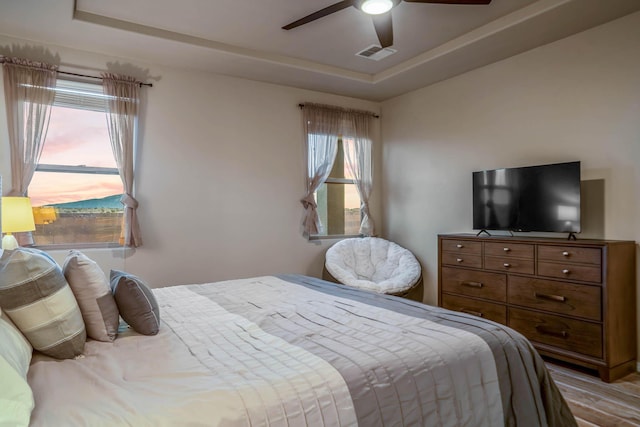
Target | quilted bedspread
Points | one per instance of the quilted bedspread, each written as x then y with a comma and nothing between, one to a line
297,351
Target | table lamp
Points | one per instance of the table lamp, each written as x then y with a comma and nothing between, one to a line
17,216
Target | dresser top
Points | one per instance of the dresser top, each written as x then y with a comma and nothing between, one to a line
544,240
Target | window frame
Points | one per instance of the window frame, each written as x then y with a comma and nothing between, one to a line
333,180
69,99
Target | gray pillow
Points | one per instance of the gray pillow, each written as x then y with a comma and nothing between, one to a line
136,302
39,301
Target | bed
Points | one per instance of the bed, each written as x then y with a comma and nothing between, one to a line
292,350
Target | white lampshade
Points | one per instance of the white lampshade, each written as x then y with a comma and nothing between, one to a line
376,7
17,216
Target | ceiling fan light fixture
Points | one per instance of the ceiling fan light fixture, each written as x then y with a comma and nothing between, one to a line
376,7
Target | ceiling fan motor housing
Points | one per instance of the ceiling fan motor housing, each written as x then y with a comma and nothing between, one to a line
360,3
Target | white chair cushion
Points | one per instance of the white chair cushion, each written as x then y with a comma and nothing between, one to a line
373,264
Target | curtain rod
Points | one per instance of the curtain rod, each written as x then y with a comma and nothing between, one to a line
366,112
98,78
2,60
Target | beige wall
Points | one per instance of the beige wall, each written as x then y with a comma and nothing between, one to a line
575,99
219,176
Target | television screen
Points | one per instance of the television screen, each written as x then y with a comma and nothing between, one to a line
542,198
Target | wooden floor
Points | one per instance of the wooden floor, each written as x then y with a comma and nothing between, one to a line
596,403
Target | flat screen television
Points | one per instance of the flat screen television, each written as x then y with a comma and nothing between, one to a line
544,198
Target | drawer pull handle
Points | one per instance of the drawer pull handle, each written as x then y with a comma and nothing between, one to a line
474,313
459,246
507,265
566,271
472,284
559,298
506,249
565,253
552,332
459,260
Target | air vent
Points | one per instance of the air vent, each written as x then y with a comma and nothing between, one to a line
376,53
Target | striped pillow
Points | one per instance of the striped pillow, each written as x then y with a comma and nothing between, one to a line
38,299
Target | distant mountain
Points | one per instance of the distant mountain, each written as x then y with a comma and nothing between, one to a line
109,202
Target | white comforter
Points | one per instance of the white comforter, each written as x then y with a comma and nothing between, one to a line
296,356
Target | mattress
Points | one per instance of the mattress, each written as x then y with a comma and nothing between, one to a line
292,350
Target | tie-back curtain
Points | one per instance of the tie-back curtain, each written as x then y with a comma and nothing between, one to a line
323,125
123,102
321,129
29,94
357,153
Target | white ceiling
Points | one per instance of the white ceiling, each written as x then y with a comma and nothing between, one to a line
244,37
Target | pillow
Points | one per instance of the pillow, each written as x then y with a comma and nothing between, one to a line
16,397
38,299
15,349
136,302
91,289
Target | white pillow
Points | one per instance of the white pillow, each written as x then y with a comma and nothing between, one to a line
15,348
16,397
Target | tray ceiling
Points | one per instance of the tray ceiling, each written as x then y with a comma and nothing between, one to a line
244,38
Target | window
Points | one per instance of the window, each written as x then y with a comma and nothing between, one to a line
338,199
338,172
76,188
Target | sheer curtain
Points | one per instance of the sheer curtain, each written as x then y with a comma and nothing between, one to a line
322,126
123,101
29,95
357,153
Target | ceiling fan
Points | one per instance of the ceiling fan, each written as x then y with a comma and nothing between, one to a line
380,11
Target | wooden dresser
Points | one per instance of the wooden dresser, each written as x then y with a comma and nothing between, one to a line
574,300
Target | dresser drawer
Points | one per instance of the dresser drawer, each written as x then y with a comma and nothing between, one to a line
568,334
462,246
465,260
559,297
511,265
486,310
570,254
479,284
585,273
517,250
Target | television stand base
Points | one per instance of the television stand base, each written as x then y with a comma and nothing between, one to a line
572,236
483,231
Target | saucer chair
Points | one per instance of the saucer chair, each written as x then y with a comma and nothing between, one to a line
375,265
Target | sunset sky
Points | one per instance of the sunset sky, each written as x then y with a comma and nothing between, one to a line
75,137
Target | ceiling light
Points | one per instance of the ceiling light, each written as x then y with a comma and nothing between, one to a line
376,7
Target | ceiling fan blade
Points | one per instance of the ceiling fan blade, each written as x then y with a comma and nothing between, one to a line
384,28
450,1
320,14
